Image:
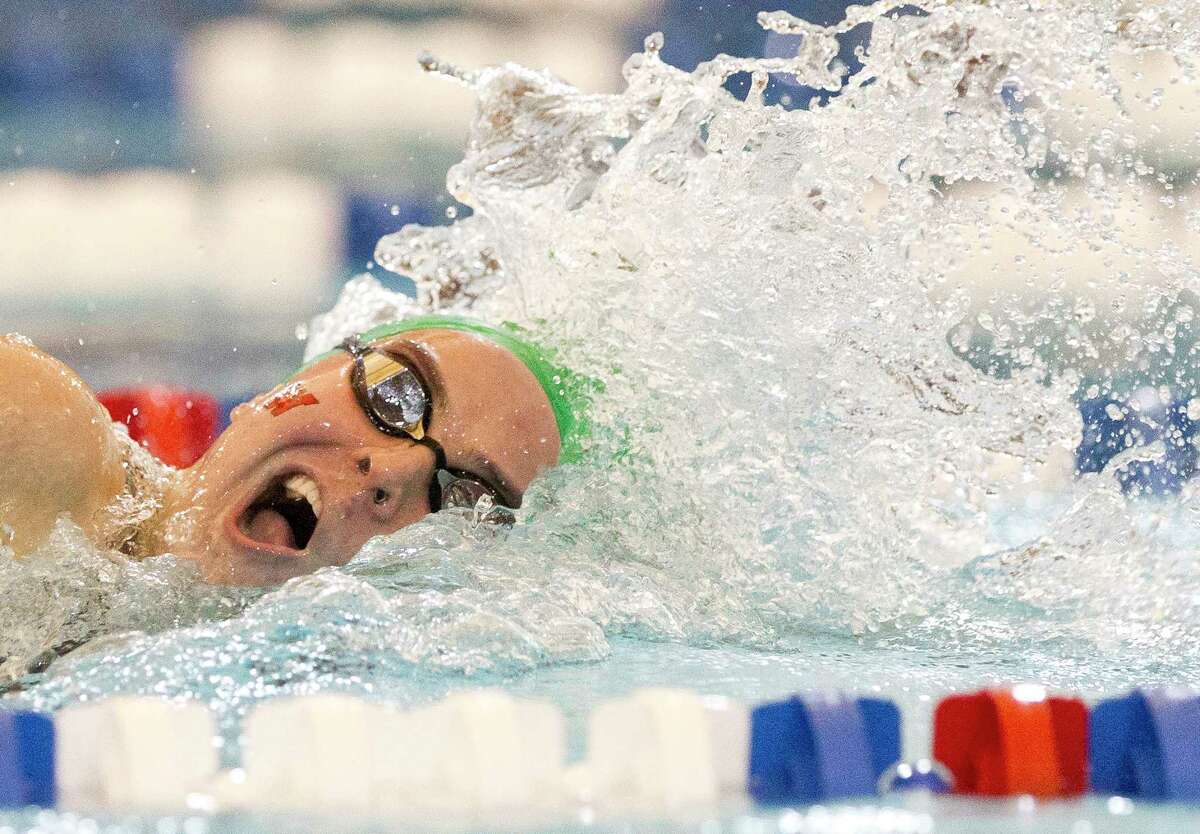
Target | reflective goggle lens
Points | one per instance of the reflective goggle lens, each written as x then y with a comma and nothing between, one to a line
465,493
394,395
389,391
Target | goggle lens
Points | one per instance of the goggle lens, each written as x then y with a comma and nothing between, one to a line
394,395
388,391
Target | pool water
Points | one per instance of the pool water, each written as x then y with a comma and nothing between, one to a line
795,479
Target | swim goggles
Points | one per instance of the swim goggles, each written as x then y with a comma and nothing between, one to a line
398,404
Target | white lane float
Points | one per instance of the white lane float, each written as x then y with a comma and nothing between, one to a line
482,751
308,754
666,750
134,754
478,751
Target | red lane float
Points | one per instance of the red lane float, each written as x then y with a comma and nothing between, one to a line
1005,742
176,425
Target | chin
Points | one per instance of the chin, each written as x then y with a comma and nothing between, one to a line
230,564
235,557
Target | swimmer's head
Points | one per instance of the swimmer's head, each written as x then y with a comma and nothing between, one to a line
405,420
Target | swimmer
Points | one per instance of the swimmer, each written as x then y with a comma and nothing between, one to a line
407,419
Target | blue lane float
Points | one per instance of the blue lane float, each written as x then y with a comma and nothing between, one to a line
812,749
1147,745
26,760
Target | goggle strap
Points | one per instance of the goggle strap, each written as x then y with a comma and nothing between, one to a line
439,462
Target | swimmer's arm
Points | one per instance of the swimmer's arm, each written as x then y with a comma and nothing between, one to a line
58,449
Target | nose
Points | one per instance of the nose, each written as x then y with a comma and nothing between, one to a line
394,485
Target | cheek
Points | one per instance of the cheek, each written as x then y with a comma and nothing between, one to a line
257,429
231,445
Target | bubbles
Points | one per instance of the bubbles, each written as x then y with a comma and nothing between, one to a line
67,594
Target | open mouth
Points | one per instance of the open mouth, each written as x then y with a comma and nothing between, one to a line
285,515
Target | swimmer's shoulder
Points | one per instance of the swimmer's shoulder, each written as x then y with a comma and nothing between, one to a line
23,363
59,452
40,390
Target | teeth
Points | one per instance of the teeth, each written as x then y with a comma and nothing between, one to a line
302,486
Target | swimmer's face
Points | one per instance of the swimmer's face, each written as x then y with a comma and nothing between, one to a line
303,478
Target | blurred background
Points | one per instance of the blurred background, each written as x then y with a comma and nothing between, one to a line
185,181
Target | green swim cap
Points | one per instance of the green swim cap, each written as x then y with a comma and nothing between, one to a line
566,391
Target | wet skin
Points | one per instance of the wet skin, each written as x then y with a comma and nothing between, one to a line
58,451
488,413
